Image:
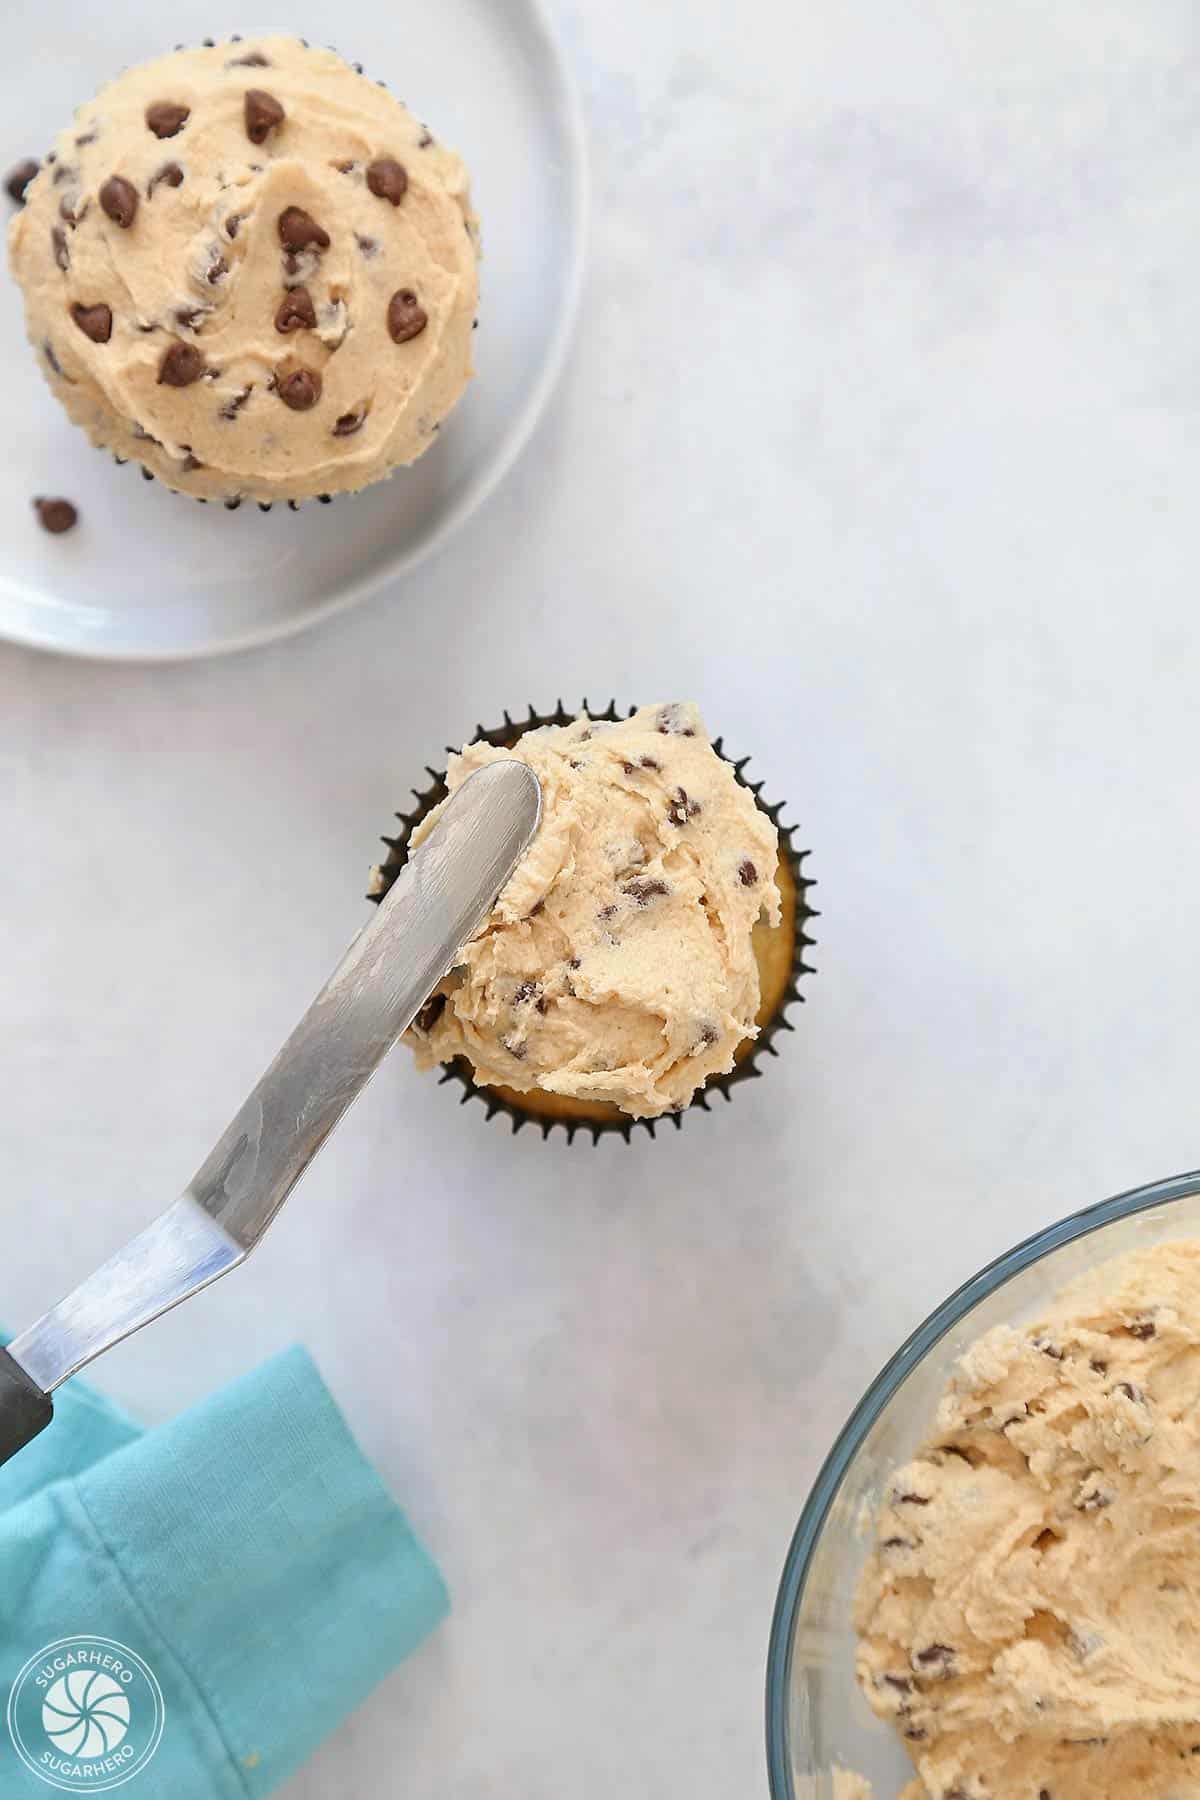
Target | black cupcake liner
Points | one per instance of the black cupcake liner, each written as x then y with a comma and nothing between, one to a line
747,1068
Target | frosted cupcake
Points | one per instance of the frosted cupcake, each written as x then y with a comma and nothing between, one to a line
251,270
648,939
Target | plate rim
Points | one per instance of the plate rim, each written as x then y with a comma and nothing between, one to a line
568,104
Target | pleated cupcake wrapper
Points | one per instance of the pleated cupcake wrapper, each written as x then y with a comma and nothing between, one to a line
233,505
748,1067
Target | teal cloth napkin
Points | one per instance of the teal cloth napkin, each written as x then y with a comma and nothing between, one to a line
246,1554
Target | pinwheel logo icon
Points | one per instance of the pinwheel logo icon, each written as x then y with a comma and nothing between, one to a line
86,1714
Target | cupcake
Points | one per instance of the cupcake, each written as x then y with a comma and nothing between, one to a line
649,941
251,270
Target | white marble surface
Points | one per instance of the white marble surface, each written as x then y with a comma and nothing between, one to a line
880,438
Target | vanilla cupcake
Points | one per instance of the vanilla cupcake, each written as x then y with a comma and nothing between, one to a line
649,942
251,270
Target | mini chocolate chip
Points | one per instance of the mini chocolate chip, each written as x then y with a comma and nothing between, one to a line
166,118
95,322
48,353
517,1051
190,316
1043,1794
253,59
191,463
182,364
301,389
935,1654
681,807
648,762
644,891
708,1037
671,723
55,516
298,230
233,225
406,317
349,423
218,268
574,962
901,1683
627,766
1143,1329
58,240
915,1733
1049,1349
431,1012
263,114
425,139
1100,1368
607,912
530,991
910,1499
387,179
1131,1392
234,405
87,137
368,245
296,310
897,1543
119,199
747,873
19,179
65,172
170,175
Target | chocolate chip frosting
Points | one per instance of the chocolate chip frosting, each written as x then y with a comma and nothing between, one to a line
1028,1619
252,270
618,963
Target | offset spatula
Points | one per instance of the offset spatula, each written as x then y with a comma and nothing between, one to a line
438,902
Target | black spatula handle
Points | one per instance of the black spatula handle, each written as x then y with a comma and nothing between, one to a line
24,1409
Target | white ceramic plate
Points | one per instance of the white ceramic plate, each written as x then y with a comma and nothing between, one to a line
151,575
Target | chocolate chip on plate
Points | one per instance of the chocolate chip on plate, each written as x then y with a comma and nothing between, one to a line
19,179
263,114
119,199
349,423
298,230
747,873
58,241
387,179
55,516
170,175
182,364
235,403
406,317
300,389
166,118
296,311
95,322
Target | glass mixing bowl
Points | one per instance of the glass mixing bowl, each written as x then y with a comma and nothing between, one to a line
816,1718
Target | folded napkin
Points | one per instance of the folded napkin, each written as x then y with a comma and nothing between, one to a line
244,1558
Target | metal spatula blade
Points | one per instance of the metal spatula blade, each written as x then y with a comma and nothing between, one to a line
438,902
